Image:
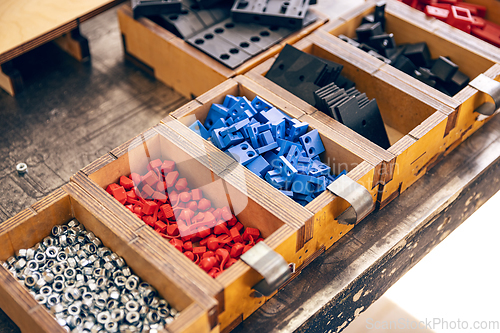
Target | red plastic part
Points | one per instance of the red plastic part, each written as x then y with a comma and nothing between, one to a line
460,18
167,166
171,178
155,164
436,12
490,33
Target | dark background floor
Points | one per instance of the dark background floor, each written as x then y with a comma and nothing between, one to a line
71,113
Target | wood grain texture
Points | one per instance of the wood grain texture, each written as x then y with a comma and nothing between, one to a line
48,19
69,202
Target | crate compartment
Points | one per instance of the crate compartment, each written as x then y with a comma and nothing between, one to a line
174,62
36,222
417,125
473,56
361,166
233,288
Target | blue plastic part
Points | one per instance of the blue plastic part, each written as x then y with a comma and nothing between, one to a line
232,139
263,128
312,143
216,111
199,129
259,166
217,139
275,180
250,131
285,146
297,130
230,100
293,155
271,158
264,149
287,170
266,138
237,111
271,144
304,159
278,129
243,153
303,184
274,115
319,169
302,168
260,105
344,172
221,123
236,126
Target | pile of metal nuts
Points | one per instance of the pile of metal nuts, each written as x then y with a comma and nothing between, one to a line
86,286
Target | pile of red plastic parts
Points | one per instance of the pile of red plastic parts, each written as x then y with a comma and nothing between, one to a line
467,17
211,237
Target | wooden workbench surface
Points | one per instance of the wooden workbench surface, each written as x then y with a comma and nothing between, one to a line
25,24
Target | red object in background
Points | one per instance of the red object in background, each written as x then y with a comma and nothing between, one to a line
212,238
460,18
465,16
436,12
490,33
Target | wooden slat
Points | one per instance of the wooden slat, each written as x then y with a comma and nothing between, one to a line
48,19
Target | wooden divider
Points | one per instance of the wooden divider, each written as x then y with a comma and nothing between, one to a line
204,167
409,25
198,312
180,65
362,167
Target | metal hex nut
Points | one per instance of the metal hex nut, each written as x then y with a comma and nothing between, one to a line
18,265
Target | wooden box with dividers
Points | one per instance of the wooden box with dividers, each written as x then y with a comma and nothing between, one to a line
181,66
197,311
474,57
362,167
204,167
417,125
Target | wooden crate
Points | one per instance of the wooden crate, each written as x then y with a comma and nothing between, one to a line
282,229
417,125
197,310
174,62
340,154
409,25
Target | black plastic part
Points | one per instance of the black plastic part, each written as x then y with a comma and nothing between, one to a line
296,72
444,69
354,110
208,3
458,81
426,76
405,65
349,40
394,54
220,49
419,54
344,82
184,24
155,7
379,57
367,30
382,43
284,13
379,14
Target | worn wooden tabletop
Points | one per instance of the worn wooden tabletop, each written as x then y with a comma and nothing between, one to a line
72,113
